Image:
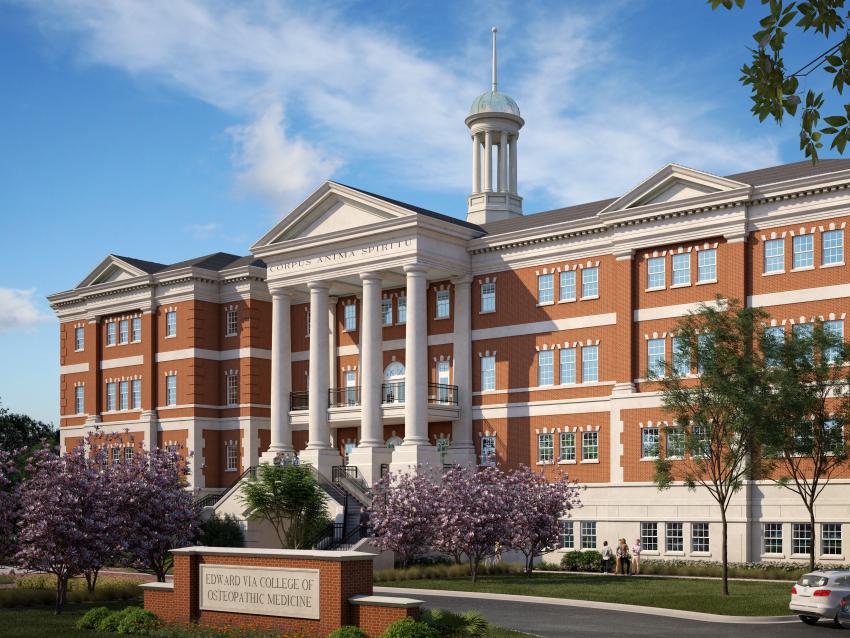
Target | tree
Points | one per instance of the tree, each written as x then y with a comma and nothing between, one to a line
153,507
776,91
222,531
290,498
401,516
8,505
20,433
470,514
721,412
809,411
535,507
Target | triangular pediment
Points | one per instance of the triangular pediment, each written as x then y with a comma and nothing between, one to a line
109,270
673,183
333,209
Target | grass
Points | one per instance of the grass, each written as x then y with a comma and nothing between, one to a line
41,622
745,598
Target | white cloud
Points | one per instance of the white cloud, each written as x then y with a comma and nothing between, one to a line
364,92
19,311
203,231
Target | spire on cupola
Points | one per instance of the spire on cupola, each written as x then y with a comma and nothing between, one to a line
494,122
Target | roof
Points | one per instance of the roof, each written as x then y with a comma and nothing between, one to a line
149,267
216,261
494,102
570,213
416,209
787,172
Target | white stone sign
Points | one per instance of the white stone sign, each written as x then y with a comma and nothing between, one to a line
265,591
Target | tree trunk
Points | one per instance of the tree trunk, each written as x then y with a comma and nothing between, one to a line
91,579
529,563
61,590
473,568
812,541
725,552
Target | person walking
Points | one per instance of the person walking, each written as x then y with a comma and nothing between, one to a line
623,558
607,555
636,557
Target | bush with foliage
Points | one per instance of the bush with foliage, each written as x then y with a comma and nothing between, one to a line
93,617
441,572
40,589
409,628
137,621
470,624
110,623
222,531
348,631
588,560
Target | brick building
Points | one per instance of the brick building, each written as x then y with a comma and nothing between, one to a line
367,331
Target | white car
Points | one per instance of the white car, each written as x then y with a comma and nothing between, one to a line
818,594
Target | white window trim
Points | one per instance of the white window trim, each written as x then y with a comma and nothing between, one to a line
835,264
803,268
705,282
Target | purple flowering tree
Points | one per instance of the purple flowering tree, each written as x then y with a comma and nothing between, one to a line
534,507
402,514
470,514
155,508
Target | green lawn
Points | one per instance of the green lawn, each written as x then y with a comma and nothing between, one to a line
745,598
41,622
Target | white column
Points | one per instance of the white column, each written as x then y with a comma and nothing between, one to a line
513,186
319,451
503,162
332,367
370,452
476,165
281,375
488,161
415,450
462,450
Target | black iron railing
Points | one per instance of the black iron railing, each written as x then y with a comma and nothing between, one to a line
392,392
342,397
211,499
442,393
299,400
344,471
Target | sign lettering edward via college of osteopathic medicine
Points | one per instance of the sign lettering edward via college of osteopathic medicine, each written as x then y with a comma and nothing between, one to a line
259,590
341,256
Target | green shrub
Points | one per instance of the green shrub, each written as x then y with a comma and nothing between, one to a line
547,567
588,560
111,622
222,531
137,621
450,625
92,618
348,631
409,628
441,572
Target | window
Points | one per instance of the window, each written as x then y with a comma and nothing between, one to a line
351,397
232,389
545,367
834,327
137,394
128,453
650,443
116,455
649,536
567,535
80,399
488,450
774,255
442,304
402,310
588,534
655,356
231,322
804,331
231,460
590,446
171,323
568,285
682,269
123,331
801,538
110,333
567,447
700,538
349,314
832,242
675,442
706,265
774,338
545,291
673,537
589,283
488,297
171,389
772,538
831,539
387,312
309,323
701,441
703,350
589,364
803,251
110,397
136,330
655,275
833,436
545,447
79,338
124,394
568,365
488,373
681,358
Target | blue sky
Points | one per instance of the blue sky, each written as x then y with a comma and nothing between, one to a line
167,130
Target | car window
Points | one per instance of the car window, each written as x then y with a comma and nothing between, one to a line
812,580
841,580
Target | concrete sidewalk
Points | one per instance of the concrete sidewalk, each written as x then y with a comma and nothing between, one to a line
740,580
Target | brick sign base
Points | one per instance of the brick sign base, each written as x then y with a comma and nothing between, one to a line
344,593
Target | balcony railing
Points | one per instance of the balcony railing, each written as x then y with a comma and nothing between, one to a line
299,400
342,397
392,392
442,393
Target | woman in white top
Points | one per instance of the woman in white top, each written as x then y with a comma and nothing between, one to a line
636,557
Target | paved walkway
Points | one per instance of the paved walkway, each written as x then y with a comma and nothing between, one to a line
742,580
